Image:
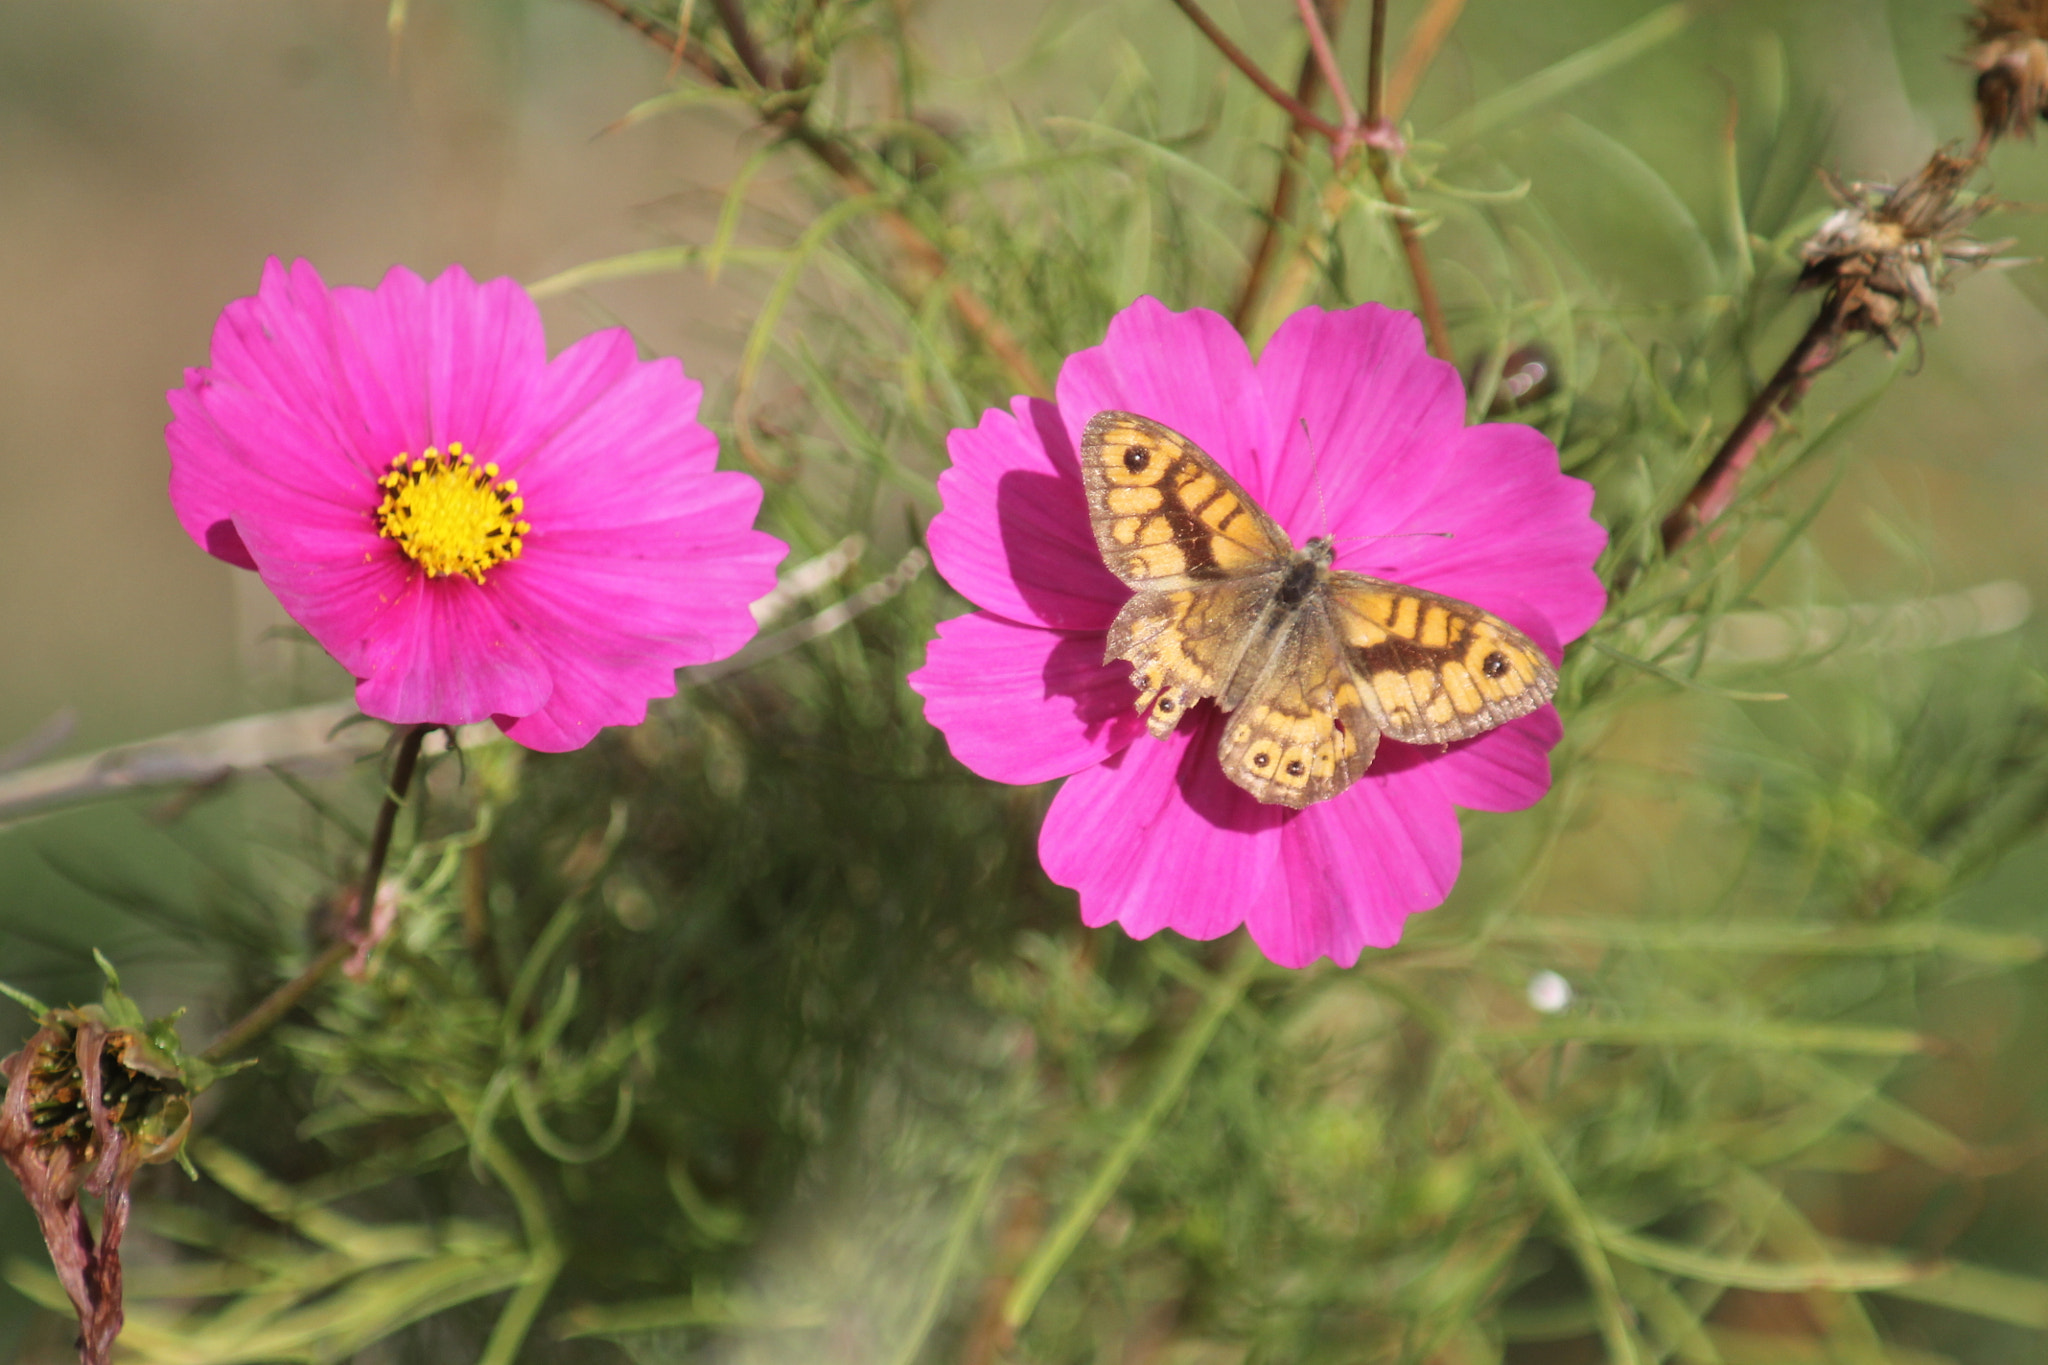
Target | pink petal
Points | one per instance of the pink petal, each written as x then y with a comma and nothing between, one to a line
1521,531
585,375
617,611
613,635
1353,868
484,358
1366,413
634,446
330,571
424,651
641,557
671,593
455,657
295,351
271,407
1189,370
1021,704
1504,769
1158,838
320,389
300,398
1014,537
590,692
1346,427
204,475
267,446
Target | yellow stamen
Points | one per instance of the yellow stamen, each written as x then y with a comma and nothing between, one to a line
450,515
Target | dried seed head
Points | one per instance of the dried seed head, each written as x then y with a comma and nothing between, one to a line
96,1093
1886,252
2011,57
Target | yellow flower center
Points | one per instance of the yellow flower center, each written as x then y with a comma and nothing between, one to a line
449,514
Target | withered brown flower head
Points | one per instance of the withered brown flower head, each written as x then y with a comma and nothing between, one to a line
94,1095
1886,252
2011,57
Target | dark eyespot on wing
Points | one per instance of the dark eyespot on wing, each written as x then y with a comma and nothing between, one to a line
1432,669
1165,513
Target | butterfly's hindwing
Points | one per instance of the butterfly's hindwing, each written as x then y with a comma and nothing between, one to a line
1185,645
1301,733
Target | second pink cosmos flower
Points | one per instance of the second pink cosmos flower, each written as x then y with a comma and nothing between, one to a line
472,530
1151,833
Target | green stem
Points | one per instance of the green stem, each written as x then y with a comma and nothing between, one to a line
1037,1274
285,998
965,1220
543,1251
1542,1166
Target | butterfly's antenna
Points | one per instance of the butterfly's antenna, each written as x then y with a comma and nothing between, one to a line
1316,468
1398,535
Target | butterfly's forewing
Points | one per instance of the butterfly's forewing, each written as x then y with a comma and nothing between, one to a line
1166,516
1433,669
1203,558
1303,733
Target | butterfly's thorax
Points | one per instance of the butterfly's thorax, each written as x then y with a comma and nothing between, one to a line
1308,567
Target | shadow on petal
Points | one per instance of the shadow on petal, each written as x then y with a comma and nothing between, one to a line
1051,554
1213,796
1101,698
223,541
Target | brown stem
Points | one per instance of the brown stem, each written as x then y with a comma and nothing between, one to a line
1325,53
1717,484
1281,206
402,765
675,45
1426,301
281,1001
1423,42
1301,113
1375,107
733,20
919,249
1429,35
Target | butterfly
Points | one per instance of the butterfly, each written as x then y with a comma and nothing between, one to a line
1312,663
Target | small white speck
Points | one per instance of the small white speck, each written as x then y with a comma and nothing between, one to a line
1549,993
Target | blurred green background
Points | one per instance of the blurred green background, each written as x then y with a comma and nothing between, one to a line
151,155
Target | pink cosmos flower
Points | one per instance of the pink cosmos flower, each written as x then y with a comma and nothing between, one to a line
469,528
1151,832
